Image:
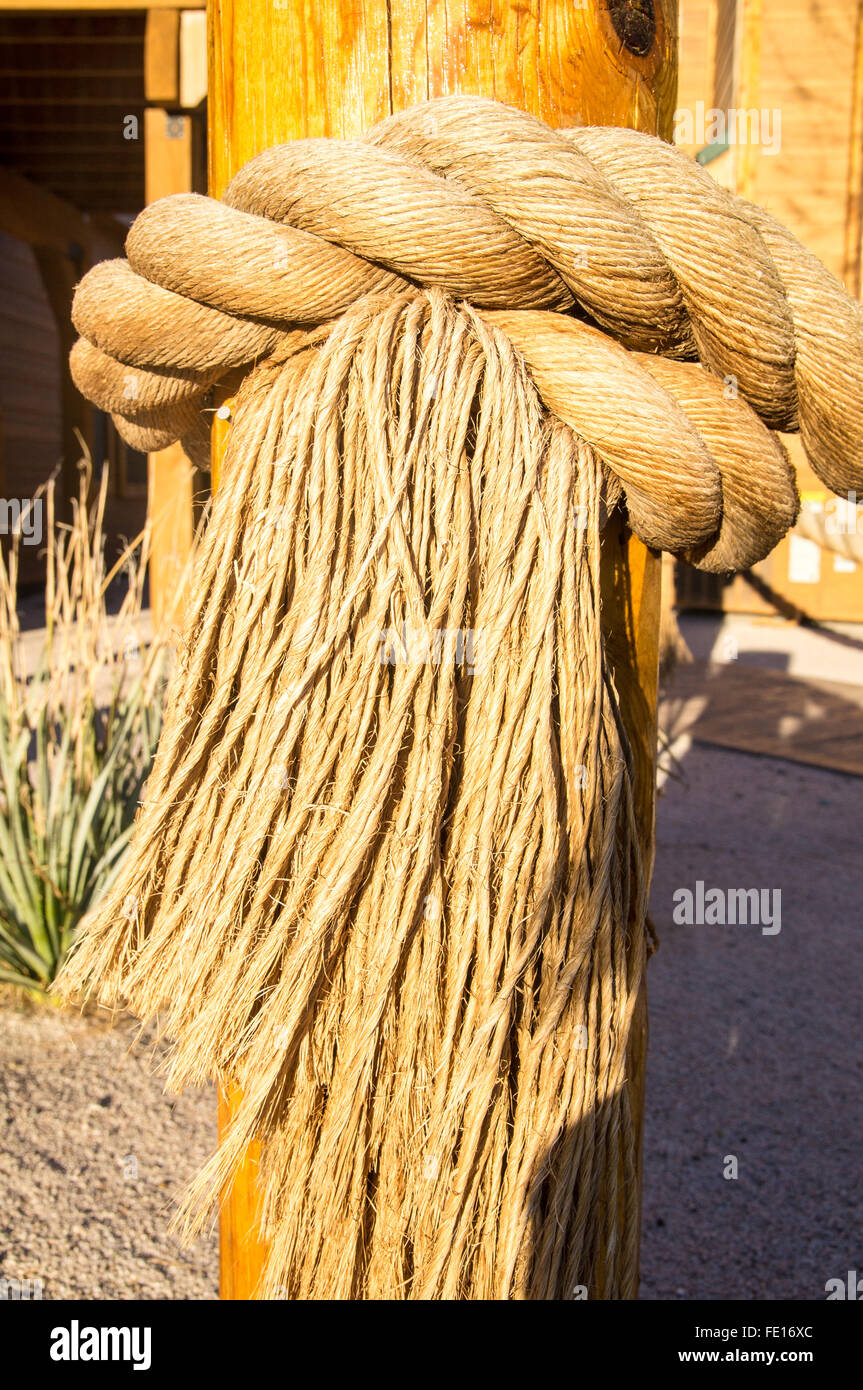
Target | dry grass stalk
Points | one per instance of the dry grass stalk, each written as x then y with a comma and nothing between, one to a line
80,713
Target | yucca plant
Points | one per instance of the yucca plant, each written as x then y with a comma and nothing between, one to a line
80,714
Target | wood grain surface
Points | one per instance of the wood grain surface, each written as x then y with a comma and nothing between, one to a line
284,69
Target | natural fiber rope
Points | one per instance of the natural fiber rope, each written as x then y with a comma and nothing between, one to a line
490,204
387,874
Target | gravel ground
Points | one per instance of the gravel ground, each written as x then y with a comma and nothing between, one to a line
755,1039
92,1157
754,1053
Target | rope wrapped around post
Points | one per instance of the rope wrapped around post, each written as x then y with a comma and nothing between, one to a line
386,876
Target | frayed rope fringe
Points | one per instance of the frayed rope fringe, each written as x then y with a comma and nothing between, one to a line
386,877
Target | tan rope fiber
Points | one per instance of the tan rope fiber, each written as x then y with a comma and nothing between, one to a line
386,876
488,203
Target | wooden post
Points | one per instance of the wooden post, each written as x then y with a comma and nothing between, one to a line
281,69
168,168
748,95
854,197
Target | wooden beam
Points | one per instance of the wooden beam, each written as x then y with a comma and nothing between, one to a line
170,508
854,195
162,57
97,6
106,126
240,1249
168,154
55,41
35,143
96,88
63,102
46,167
280,69
748,94
34,215
193,58
46,72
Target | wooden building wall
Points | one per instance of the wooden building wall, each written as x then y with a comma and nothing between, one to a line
31,414
800,58
31,418
93,104
797,57
29,372
807,72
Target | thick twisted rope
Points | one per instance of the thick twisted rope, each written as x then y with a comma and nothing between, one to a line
489,204
387,874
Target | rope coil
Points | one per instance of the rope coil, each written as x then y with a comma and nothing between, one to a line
609,228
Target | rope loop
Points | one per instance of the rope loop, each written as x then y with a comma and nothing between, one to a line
669,324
